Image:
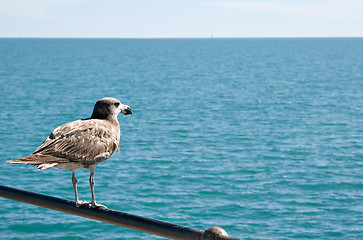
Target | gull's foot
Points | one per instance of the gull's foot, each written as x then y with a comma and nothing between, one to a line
96,205
82,203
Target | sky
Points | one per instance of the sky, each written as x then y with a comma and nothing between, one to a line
180,18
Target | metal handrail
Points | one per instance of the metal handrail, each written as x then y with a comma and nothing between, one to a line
138,223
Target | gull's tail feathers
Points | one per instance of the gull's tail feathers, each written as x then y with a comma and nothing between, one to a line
40,161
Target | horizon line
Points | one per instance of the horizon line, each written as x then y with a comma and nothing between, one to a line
211,37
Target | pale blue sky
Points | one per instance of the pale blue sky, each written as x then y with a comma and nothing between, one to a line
184,18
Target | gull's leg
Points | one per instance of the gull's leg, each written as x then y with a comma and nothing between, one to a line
92,183
74,182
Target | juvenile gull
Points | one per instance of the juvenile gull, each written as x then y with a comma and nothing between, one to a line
81,144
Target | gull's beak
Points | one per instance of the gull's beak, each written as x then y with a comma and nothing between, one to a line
124,109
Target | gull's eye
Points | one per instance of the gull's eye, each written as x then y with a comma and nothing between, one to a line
117,104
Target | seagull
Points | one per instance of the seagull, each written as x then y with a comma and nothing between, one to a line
81,144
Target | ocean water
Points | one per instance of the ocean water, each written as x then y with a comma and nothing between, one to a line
262,137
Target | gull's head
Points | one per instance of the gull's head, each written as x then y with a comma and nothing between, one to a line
109,107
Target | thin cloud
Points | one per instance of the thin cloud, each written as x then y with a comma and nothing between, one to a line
348,8
37,9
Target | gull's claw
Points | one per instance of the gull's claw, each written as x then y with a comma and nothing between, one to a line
96,205
82,203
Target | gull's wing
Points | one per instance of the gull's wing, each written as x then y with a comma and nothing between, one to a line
85,141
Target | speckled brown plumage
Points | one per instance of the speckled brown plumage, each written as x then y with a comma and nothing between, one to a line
82,143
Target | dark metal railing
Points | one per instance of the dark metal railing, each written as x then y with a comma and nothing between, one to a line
138,223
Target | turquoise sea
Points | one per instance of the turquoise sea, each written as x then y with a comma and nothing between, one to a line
262,137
